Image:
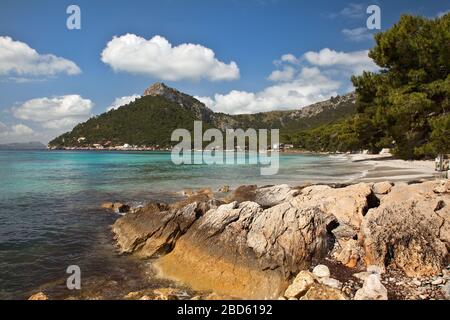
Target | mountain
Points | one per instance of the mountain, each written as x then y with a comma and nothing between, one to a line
34,145
150,120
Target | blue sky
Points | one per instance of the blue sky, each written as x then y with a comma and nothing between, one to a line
322,43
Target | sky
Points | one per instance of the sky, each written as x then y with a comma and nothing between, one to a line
236,56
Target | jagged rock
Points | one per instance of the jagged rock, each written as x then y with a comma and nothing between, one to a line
321,271
349,252
322,292
120,207
382,187
38,296
271,196
409,230
240,249
344,232
347,205
372,289
302,282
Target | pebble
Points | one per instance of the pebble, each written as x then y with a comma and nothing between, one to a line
417,283
321,271
437,281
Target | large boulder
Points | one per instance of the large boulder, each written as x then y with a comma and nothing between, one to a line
409,230
372,289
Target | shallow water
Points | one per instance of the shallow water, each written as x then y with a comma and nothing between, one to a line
49,205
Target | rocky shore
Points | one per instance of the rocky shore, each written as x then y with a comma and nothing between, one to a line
362,241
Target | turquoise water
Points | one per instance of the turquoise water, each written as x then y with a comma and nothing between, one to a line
49,203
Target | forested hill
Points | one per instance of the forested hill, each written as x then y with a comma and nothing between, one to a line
150,120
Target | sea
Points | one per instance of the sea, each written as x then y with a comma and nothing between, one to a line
50,215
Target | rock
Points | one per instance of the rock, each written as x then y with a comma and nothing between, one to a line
346,205
271,196
372,289
349,252
244,250
168,294
38,296
302,282
243,193
442,187
107,205
330,282
344,232
437,281
410,230
446,290
322,292
382,187
321,271
224,189
417,283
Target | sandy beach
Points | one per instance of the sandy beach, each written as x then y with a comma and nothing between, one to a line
387,168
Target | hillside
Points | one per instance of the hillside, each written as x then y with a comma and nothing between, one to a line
34,145
150,120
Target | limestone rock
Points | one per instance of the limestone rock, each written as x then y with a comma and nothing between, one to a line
372,289
442,187
321,271
302,282
382,187
409,230
271,196
322,292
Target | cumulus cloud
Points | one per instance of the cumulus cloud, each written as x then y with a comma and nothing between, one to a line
316,76
158,58
121,101
61,112
308,87
286,74
358,34
18,59
356,61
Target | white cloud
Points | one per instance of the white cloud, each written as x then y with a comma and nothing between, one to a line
289,58
158,58
308,87
61,112
358,34
353,11
287,74
356,61
17,58
118,102
317,76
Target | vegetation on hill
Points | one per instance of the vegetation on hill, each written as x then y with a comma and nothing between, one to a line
406,106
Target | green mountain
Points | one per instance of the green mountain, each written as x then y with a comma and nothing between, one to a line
33,145
151,119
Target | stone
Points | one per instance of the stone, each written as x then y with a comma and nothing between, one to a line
349,252
38,296
322,292
271,196
437,281
409,230
375,269
330,282
107,205
119,207
442,187
302,282
224,189
372,289
382,187
321,271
